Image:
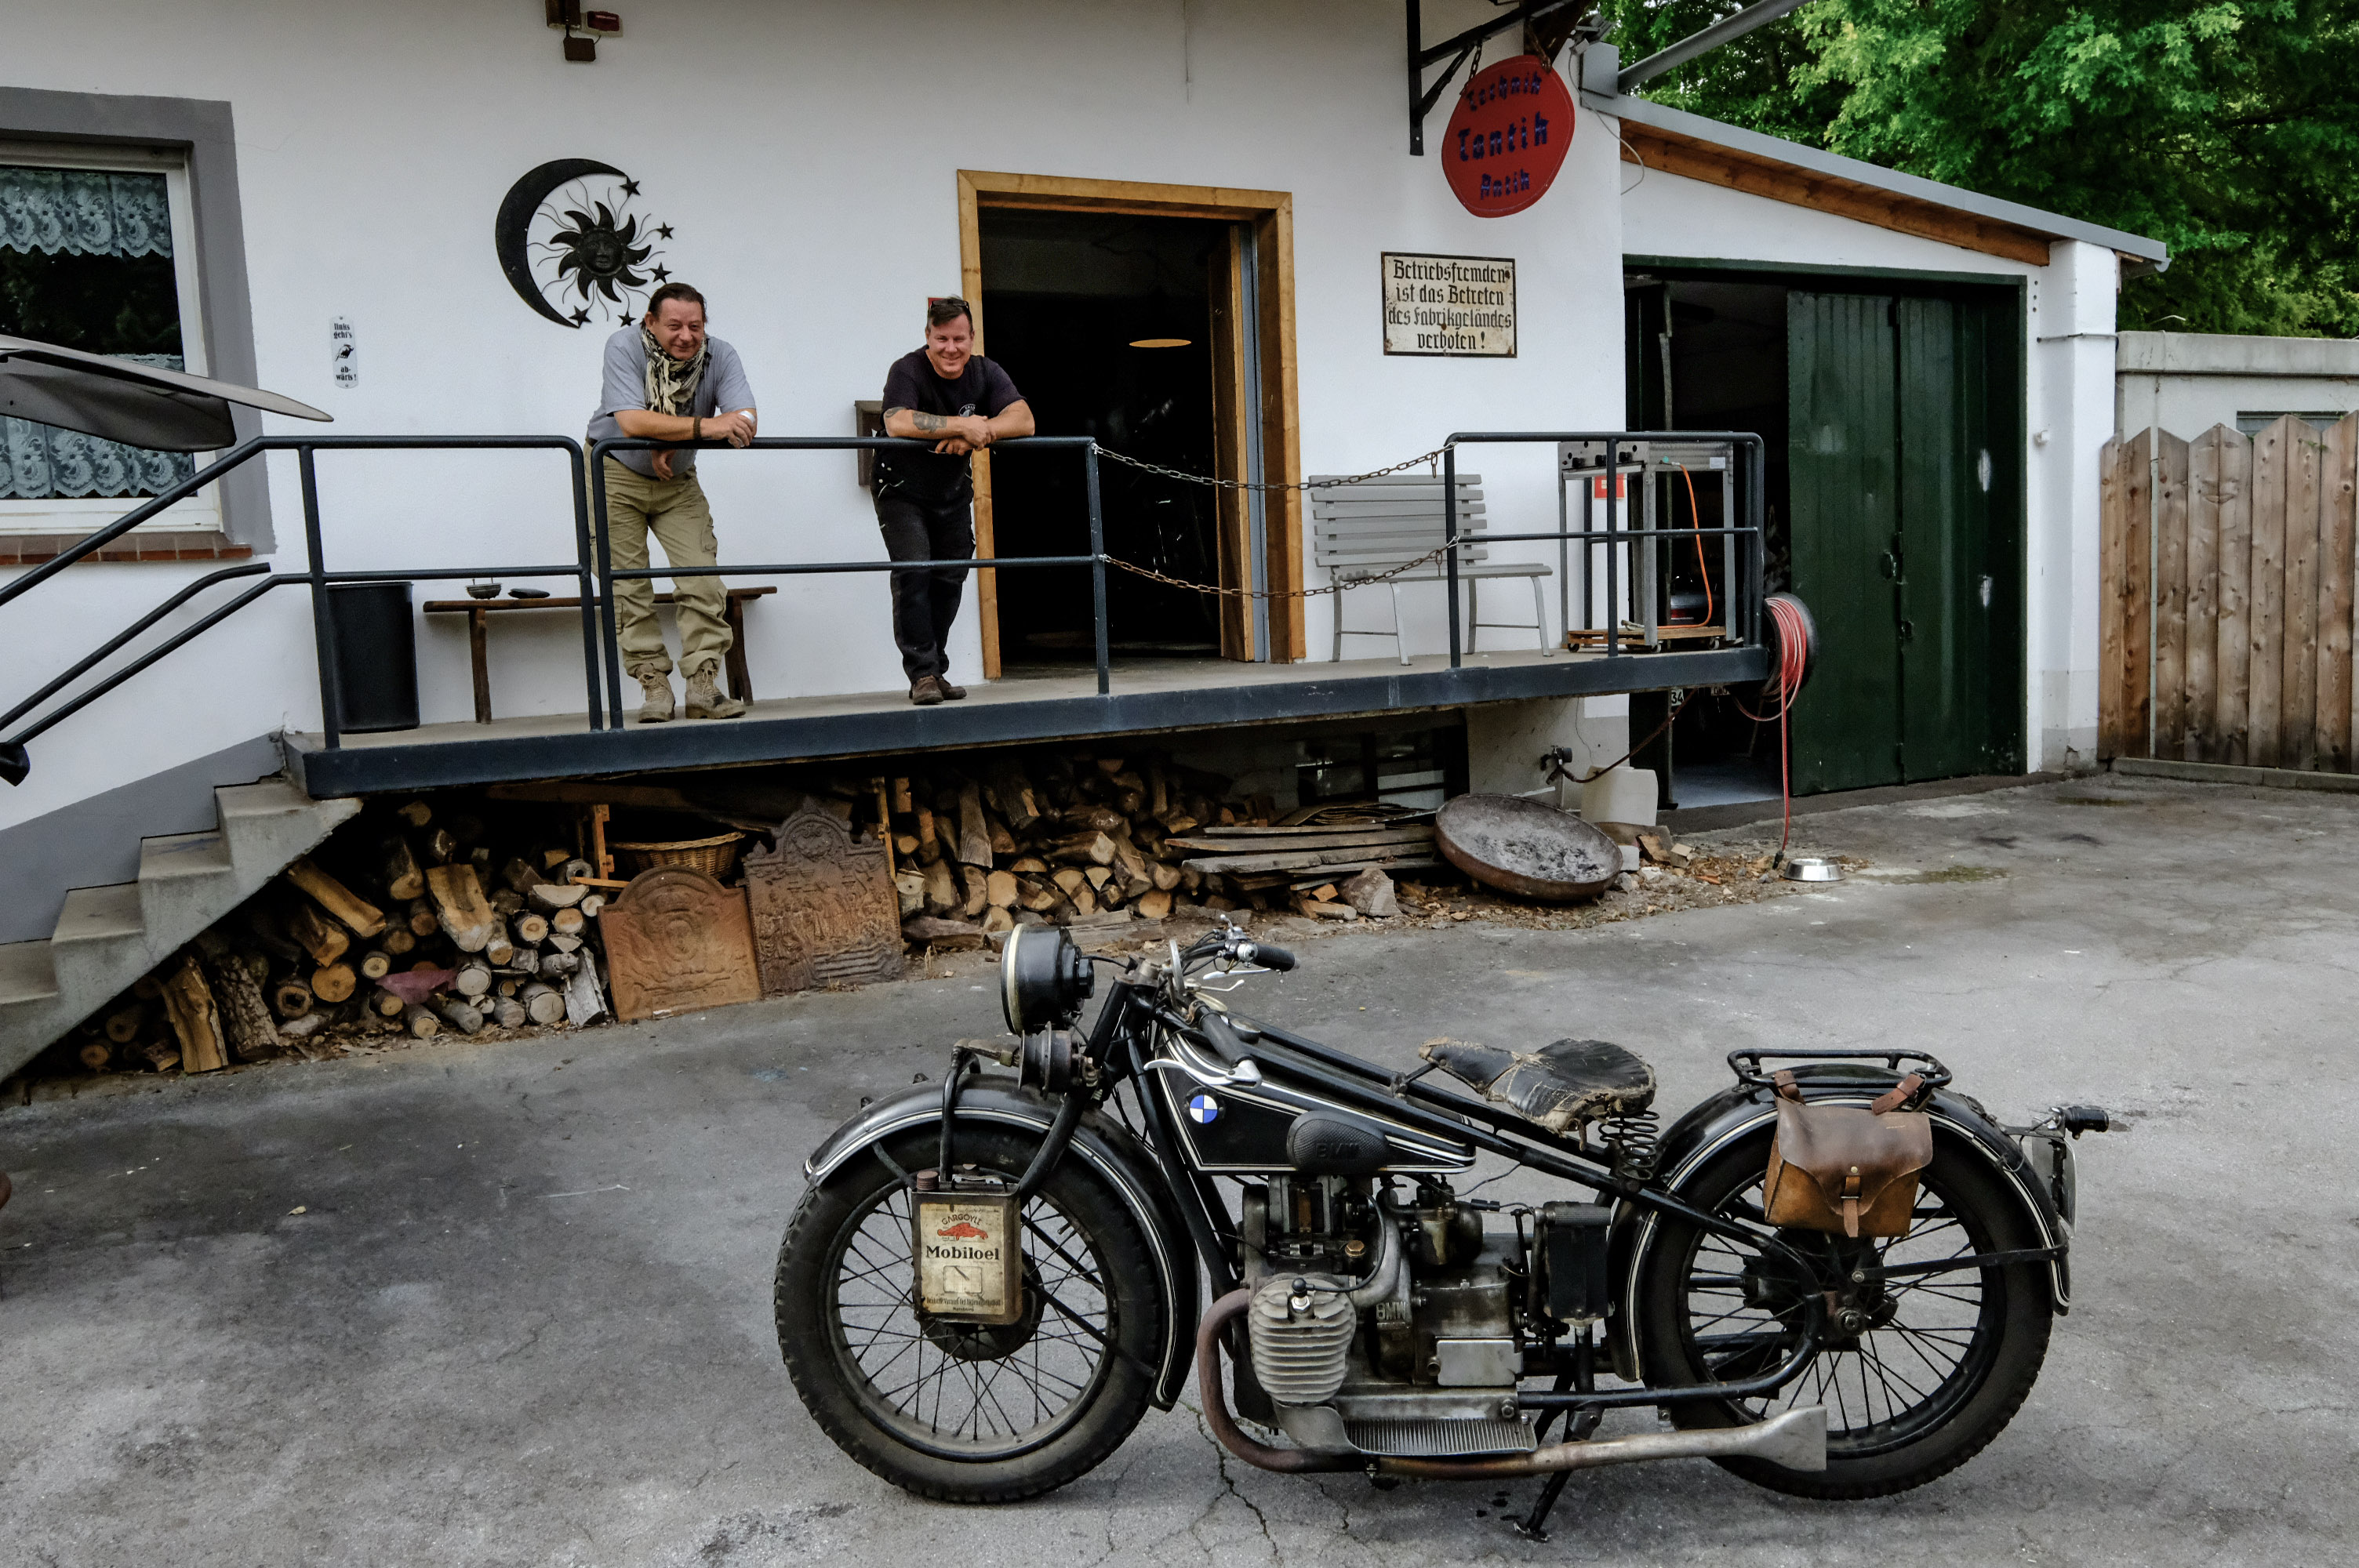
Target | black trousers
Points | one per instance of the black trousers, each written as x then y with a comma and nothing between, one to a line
925,602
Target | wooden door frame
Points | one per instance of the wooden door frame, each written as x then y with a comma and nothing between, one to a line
1271,212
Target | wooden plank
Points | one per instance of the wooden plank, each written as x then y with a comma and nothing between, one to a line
1307,838
2109,462
2124,501
1281,429
2199,693
2234,664
987,583
2171,597
2338,576
1298,859
2299,683
1224,284
2264,701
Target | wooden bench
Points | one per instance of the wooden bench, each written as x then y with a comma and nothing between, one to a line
1362,531
479,613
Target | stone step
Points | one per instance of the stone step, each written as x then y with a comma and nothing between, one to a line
99,936
185,881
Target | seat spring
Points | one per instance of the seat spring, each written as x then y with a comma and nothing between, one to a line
1632,1139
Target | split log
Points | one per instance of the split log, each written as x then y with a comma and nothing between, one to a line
1159,795
944,935
423,920
930,846
1153,905
1070,880
417,814
96,1055
592,906
303,1028
376,964
1165,877
499,949
460,1015
334,982
974,833
559,942
909,892
189,1002
458,897
942,894
1013,794
1093,847
125,1024
1032,864
530,930
902,803
386,1003
441,848
1003,842
245,1021
509,1013
474,978
403,879
292,997
550,859
977,882
1085,901
337,899
905,845
323,938
548,897
1097,820
542,1004
397,940
420,1021
996,919
568,922
160,1057
1039,897
585,999
556,966
520,876
999,889
506,902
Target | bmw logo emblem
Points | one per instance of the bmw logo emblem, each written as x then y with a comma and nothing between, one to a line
1204,1108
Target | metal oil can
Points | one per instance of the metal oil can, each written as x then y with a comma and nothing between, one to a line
969,1256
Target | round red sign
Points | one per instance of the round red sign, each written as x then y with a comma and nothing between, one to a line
1507,137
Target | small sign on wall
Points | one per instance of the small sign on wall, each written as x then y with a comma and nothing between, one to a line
1455,306
344,352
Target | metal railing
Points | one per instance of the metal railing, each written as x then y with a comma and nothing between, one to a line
593,569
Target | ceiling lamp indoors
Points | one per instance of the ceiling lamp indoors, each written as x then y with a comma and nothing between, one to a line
1160,343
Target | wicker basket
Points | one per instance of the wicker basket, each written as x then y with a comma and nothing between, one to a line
716,856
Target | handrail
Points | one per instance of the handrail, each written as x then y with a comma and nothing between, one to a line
594,570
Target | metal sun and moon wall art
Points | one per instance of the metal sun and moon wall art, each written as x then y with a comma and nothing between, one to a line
572,246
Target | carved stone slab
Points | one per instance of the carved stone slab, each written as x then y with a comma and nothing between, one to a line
824,909
677,941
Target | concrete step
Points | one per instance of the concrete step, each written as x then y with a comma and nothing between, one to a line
99,936
27,977
269,824
187,880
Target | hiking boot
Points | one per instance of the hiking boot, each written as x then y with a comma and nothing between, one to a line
925,691
954,693
704,699
656,683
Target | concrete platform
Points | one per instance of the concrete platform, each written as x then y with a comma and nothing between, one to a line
1147,695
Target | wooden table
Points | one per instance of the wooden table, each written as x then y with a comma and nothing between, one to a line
479,613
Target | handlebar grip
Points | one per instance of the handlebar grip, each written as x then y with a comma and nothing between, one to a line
1222,1038
1270,958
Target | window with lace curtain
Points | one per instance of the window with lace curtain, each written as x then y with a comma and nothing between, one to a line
94,255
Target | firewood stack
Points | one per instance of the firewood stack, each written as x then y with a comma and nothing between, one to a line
410,923
1061,840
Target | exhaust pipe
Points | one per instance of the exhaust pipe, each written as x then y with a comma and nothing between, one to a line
1796,1440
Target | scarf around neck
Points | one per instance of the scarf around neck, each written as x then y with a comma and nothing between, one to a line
671,383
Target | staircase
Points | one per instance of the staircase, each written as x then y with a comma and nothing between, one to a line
107,937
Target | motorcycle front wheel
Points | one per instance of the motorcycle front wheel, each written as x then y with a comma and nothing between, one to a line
1946,1360
957,1411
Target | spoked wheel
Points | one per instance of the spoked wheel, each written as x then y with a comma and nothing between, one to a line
969,1412
1937,1365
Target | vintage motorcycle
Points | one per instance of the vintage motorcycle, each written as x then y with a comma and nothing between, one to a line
989,1278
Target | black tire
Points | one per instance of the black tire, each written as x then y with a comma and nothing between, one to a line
1950,1367
1080,1244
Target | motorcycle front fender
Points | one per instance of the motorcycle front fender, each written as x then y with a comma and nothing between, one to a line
1109,1151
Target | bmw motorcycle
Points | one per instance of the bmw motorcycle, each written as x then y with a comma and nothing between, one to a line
990,1278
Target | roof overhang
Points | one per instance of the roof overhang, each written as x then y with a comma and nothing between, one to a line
1693,148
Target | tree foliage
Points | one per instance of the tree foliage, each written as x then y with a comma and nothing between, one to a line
2228,129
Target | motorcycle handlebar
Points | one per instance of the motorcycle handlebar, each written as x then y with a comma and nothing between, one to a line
1267,957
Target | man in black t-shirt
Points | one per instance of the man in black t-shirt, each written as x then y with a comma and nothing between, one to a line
947,394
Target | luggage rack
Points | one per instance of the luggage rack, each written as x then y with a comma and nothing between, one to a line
1746,1063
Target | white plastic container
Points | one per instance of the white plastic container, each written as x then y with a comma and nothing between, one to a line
1626,794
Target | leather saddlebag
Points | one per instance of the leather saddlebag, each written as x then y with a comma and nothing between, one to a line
1837,1167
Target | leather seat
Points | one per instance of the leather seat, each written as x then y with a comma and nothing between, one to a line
1558,1086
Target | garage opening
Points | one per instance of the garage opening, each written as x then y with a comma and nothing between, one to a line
1891,411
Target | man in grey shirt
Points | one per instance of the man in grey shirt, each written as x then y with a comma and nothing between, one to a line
666,381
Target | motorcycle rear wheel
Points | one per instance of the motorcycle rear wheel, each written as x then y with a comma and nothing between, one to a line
1907,1401
961,1413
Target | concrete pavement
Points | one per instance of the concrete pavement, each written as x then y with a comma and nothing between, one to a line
510,1303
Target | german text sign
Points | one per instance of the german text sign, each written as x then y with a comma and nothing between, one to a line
1450,305
1507,137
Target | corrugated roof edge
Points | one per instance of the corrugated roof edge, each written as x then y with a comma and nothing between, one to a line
1737,139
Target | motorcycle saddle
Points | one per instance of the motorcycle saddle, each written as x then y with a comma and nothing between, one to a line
1555,1086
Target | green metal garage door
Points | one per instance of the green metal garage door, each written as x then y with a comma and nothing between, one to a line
1904,499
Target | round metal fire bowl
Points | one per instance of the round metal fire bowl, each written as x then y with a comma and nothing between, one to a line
1812,868
1525,848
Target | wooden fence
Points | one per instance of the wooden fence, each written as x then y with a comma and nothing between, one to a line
2228,571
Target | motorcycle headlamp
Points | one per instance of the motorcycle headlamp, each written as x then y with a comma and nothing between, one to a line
1043,979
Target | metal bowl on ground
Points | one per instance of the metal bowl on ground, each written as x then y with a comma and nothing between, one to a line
1527,848
1812,869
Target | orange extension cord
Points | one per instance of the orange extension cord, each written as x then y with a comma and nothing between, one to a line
1793,654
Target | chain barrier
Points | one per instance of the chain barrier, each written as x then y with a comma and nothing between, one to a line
1185,477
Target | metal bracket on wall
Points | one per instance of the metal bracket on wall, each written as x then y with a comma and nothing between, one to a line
1457,48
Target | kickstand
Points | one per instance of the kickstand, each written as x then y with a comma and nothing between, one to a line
1534,1525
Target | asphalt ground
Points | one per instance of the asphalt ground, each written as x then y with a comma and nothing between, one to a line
510,1303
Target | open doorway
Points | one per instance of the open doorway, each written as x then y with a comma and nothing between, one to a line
1105,321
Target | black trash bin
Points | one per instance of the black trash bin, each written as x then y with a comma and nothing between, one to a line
375,646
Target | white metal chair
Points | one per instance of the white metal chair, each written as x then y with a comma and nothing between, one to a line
1359,532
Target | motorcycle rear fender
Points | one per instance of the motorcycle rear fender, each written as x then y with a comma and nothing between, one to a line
1106,1147
1713,1124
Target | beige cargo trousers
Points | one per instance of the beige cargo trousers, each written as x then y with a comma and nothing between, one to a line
674,510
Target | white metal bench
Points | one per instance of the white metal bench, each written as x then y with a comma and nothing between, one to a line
1362,531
